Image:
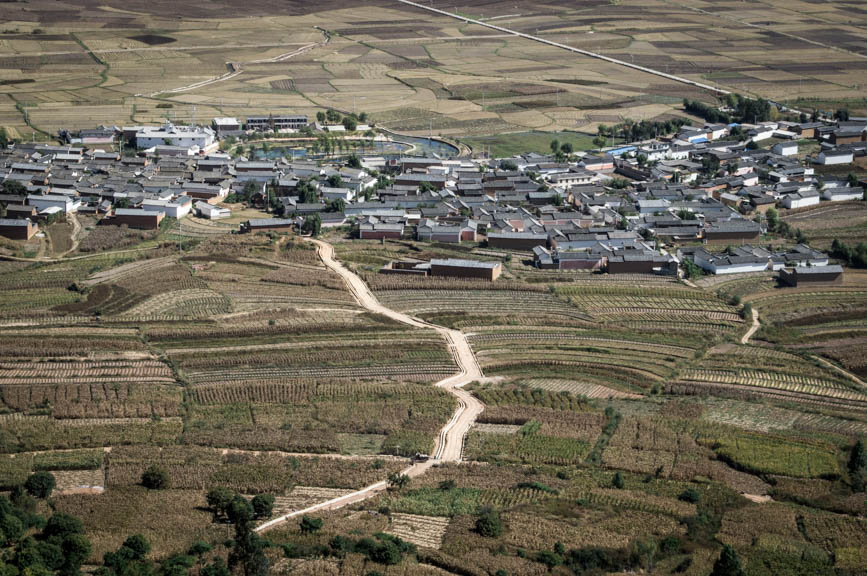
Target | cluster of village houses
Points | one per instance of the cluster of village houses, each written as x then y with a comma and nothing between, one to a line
637,208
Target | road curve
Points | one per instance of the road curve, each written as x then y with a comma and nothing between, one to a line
449,443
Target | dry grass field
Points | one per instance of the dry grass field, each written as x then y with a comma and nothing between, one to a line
73,65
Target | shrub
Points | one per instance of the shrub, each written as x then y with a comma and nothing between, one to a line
155,478
618,481
310,524
549,559
40,484
690,495
488,523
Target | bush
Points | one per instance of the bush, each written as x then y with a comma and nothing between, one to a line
489,524
690,495
549,559
155,478
310,524
618,481
40,484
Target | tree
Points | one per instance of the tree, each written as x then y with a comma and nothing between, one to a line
40,484
841,114
350,124
138,545
508,165
219,499
4,138
335,181
773,218
14,187
76,549
313,224
397,481
310,524
858,465
240,512
566,148
61,525
320,117
354,161
263,505
488,523
155,478
333,116
555,146
728,563
618,481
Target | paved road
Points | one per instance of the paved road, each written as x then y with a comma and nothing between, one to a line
451,438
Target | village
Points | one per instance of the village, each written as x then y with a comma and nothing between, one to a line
700,197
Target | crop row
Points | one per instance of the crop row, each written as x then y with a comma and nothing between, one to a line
285,392
794,382
210,376
484,338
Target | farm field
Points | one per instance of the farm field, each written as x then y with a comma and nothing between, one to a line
617,409
414,71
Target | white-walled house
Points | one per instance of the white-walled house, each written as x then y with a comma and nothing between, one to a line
842,193
830,157
212,212
66,203
177,208
178,136
727,264
785,148
800,199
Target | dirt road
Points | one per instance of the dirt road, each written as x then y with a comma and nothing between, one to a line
753,329
450,441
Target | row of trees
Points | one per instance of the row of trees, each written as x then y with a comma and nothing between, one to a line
631,131
743,110
852,256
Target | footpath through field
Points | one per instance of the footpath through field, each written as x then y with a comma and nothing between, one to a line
451,437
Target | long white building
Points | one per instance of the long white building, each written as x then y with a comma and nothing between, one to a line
171,135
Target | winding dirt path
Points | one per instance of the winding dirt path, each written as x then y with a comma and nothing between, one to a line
450,441
753,329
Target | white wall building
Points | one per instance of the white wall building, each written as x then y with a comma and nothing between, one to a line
785,148
65,203
177,208
212,212
171,135
829,157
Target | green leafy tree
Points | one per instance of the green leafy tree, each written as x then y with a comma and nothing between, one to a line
313,224
397,481
350,124
354,161
40,484
320,117
617,481
555,146
263,505
773,219
728,563
219,500
76,549
155,478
